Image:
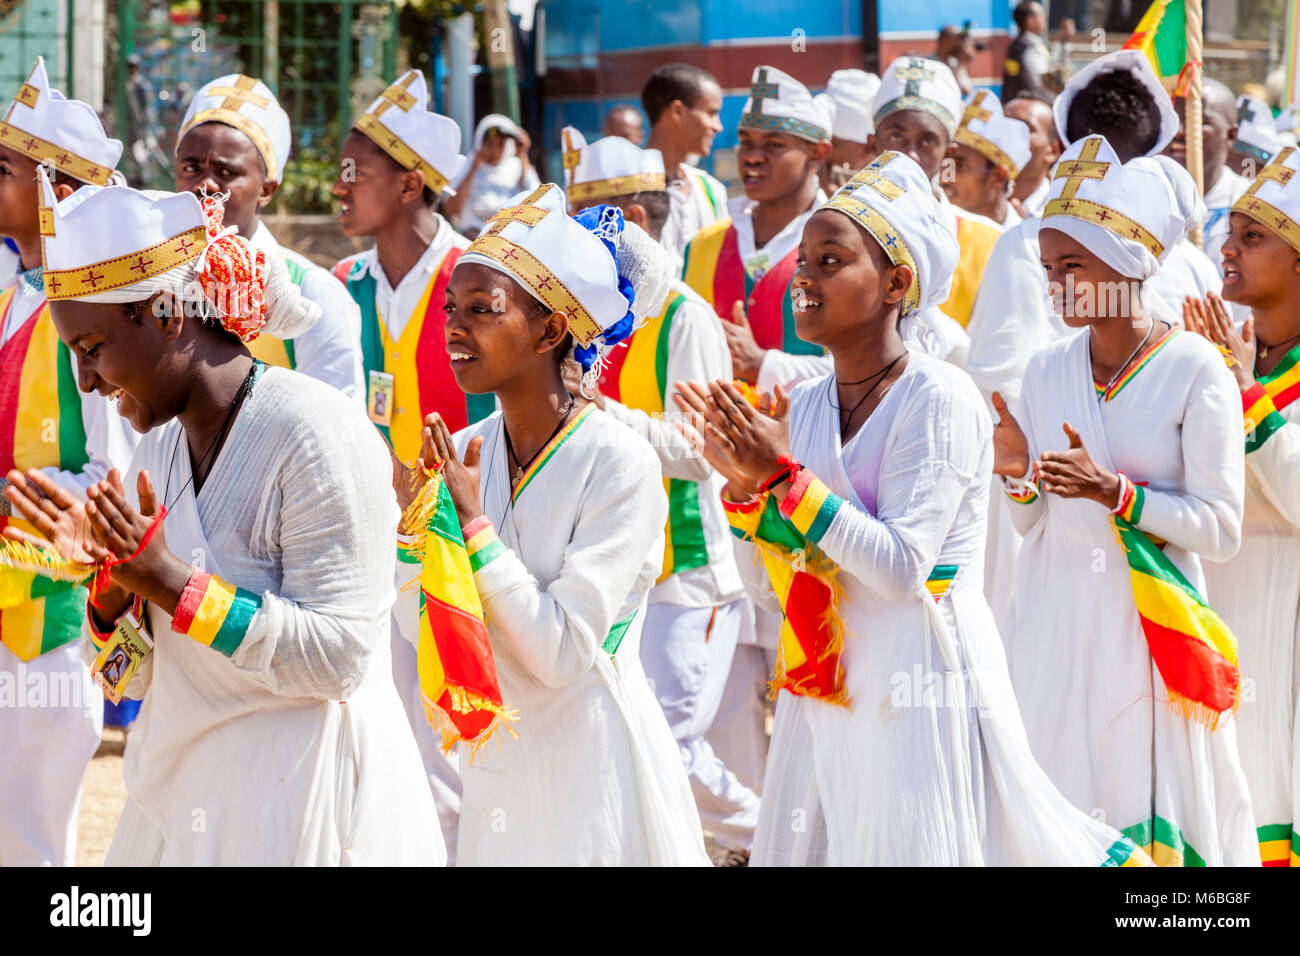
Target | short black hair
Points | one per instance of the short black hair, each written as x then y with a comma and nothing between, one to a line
656,204
1119,106
673,81
1041,96
1021,13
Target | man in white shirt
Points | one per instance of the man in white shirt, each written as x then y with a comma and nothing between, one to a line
1222,186
1033,184
683,103
235,139
987,155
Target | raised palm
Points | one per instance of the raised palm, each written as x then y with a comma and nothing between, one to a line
1010,447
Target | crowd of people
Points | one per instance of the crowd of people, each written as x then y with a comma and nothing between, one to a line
960,432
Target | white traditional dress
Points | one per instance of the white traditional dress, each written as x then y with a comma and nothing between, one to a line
1012,319
696,609
929,764
1258,594
292,747
694,201
1094,702
594,776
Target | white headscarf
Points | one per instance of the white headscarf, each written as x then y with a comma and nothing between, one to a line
1125,213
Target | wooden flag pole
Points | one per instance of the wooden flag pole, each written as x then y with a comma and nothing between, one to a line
1192,121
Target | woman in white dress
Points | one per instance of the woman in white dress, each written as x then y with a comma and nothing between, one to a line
563,510
1134,418
912,750
271,733
1258,591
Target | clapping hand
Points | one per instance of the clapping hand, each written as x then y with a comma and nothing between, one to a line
1073,474
744,444
1209,317
437,450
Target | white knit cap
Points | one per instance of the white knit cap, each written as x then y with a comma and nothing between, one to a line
893,201
918,83
612,166
1126,213
780,103
46,126
1135,62
249,106
399,123
1001,140
1273,199
850,95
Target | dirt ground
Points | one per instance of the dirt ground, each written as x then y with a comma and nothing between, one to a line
103,795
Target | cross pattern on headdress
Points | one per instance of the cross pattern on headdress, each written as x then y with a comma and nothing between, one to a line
762,90
526,212
239,94
397,95
1275,171
870,176
1245,114
912,75
975,111
571,156
1075,171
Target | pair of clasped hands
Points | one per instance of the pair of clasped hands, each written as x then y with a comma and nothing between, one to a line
744,443
1069,474
103,526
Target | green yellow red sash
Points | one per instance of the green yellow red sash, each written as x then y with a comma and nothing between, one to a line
40,427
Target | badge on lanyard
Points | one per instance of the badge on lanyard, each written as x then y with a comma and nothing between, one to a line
379,398
121,656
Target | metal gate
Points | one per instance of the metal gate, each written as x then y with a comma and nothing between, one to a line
29,28
325,60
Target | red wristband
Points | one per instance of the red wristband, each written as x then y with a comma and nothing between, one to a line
786,468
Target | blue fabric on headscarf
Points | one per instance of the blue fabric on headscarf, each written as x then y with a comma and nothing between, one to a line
598,220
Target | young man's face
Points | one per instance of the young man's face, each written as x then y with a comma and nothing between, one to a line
846,152
913,133
774,165
700,121
20,197
975,182
367,187
1217,130
217,158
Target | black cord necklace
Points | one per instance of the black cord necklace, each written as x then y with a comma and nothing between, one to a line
244,390
510,448
1268,348
878,378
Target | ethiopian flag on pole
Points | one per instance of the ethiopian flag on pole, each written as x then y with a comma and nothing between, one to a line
1162,36
458,673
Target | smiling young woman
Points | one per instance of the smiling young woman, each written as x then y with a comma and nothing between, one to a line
563,510
256,542
1127,429
1258,591
864,495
